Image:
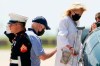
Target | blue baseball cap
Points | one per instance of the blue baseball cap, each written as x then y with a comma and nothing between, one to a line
41,20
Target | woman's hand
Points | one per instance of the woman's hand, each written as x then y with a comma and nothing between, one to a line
73,52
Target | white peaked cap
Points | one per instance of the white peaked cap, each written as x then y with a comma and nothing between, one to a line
16,17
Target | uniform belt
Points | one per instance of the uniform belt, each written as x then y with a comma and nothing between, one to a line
13,61
16,61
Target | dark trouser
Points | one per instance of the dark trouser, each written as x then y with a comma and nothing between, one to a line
11,64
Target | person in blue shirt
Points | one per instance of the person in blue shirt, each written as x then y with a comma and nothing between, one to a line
38,27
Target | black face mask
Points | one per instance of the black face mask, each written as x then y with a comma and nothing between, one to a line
76,17
98,24
40,33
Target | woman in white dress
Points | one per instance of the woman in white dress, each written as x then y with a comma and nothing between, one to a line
68,38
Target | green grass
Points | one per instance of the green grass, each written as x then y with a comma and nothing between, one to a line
48,46
44,46
5,47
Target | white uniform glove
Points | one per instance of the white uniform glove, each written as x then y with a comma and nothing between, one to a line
8,29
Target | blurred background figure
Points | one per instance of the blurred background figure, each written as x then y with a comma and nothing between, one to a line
97,23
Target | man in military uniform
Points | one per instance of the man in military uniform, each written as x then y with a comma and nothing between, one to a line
20,49
38,27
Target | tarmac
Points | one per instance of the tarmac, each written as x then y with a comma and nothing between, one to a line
5,56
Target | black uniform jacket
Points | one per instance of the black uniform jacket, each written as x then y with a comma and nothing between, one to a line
17,42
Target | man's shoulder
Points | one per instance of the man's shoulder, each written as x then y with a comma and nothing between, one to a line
23,36
31,34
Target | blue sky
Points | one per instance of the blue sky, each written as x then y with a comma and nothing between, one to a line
52,10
